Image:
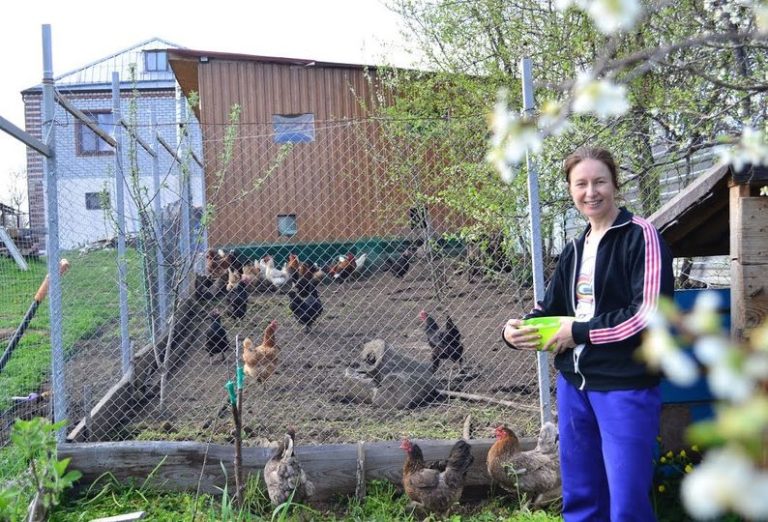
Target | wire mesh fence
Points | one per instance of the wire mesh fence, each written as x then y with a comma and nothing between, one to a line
361,269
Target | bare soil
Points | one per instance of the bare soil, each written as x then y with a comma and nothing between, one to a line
310,391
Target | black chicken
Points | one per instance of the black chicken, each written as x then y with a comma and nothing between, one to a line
216,340
238,300
445,343
305,305
402,264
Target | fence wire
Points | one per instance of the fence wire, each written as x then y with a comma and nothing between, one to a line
369,256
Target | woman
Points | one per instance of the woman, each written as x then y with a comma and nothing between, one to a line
609,404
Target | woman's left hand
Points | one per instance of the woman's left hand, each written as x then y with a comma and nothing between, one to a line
563,339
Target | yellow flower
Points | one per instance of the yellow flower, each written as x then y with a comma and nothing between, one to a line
695,448
682,454
662,488
688,468
670,454
662,460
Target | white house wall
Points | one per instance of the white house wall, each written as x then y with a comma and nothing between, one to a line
79,175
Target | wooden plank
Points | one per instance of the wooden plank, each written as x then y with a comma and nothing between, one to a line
687,199
749,298
177,466
750,231
127,517
736,193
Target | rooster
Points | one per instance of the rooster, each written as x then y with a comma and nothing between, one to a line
445,343
261,361
346,266
435,490
216,340
305,306
284,476
534,473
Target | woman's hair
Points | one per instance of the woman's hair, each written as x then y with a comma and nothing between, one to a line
595,153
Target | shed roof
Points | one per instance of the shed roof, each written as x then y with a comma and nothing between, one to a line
98,74
696,222
184,63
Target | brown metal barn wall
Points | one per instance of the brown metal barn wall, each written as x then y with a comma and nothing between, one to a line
330,184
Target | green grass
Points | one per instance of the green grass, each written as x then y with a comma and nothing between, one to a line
89,301
382,504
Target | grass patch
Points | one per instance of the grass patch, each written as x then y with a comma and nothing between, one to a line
89,301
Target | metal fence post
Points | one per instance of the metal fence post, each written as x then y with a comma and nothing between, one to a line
58,377
534,213
125,341
184,188
157,206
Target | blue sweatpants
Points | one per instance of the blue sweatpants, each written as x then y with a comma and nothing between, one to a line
607,446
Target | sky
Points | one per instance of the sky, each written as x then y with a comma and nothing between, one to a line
84,31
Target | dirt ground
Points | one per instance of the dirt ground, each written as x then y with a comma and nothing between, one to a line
309,389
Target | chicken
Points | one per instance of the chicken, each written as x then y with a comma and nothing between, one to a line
233,278
216,264
346,266
261,361
284,476
402,264
216,340
251,273
277,277
534,473
445,343
237,298
305,305
435,490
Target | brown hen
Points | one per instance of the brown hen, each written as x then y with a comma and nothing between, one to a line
261,361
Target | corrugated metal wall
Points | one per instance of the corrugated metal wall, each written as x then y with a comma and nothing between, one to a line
332,184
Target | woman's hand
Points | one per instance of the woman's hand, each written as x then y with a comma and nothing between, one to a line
521,337
563,339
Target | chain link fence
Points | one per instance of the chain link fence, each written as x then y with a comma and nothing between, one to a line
379,257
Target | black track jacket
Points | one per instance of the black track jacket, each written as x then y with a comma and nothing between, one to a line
632,269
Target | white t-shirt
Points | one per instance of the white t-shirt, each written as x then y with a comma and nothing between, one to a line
585,296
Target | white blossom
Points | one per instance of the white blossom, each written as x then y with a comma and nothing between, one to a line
611,16
659,350
764,191
725,480
710,349
761,16
601,97
751,149
704,318
511,138
728,381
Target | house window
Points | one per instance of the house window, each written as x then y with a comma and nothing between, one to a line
96,200
294,128
286,225
88,143
155,61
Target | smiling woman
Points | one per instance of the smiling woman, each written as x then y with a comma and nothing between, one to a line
610,280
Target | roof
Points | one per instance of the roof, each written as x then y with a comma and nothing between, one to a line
696,222
98,74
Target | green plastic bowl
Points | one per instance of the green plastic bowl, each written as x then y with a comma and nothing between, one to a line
547,327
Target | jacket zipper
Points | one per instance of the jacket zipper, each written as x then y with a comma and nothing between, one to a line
576,351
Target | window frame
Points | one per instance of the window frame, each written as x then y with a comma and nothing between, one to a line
103,148
98,197
152,55
285,131
286,230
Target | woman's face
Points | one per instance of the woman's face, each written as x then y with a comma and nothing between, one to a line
592,189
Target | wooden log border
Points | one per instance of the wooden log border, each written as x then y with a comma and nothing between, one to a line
178,466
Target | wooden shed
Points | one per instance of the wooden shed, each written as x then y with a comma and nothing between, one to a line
719,214
722,213
306,165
